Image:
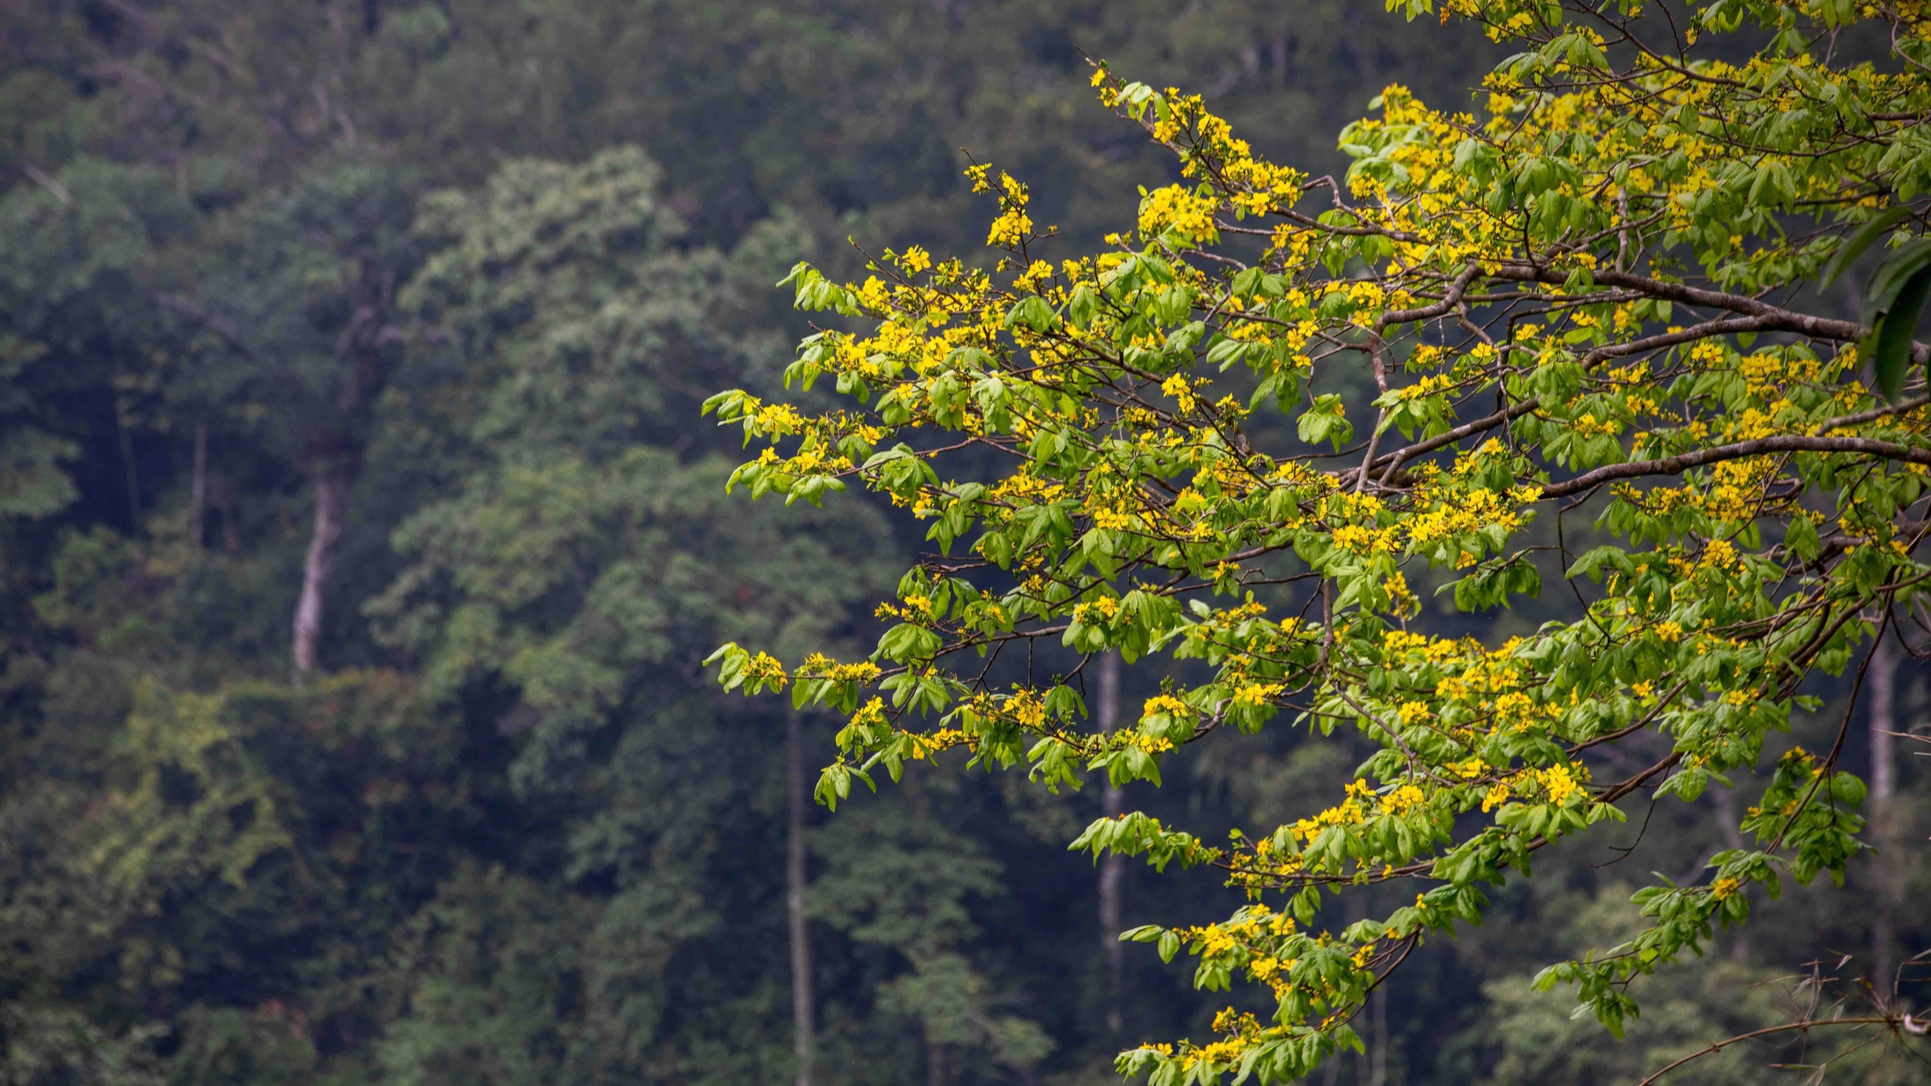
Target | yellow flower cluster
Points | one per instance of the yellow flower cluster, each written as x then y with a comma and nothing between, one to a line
1181,209
820,666
766,667
1013,227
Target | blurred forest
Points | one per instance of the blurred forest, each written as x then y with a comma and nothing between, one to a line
360,539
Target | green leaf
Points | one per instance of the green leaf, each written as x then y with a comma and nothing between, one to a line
1083,305
1893,276
1866,235
1773,185
1034,313
1891,334
1800,535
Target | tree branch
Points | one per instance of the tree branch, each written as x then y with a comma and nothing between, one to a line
1675,465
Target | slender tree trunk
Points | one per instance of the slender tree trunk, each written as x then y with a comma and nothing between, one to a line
335,455
936,1072
794,876
1113,866
198,518
125,436
1883,722
331,510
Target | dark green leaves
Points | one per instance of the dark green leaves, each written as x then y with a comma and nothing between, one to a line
1492,584
1896,298
1863,239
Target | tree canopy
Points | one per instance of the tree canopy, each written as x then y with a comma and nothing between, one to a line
362,538
1579,341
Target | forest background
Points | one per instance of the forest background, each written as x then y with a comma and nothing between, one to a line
360,541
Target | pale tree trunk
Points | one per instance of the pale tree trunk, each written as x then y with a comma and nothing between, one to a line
794,876
331,511
1113,866
334,454
1885,659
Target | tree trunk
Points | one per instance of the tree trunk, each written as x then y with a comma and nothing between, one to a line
1883,785
936,1072
334,453
1113,866
125,436
331,510
197,520
794,877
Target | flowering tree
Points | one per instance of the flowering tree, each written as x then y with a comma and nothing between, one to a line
1589,304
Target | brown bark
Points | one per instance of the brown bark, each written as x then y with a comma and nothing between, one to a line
1113,866
802,1008
1676,465
1883,785
331,511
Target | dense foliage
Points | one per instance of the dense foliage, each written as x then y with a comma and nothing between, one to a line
1588,358
361,542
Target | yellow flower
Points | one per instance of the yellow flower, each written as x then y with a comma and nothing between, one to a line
1165,703
1178,387
766,668
1562,784
1027,709
1012,227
